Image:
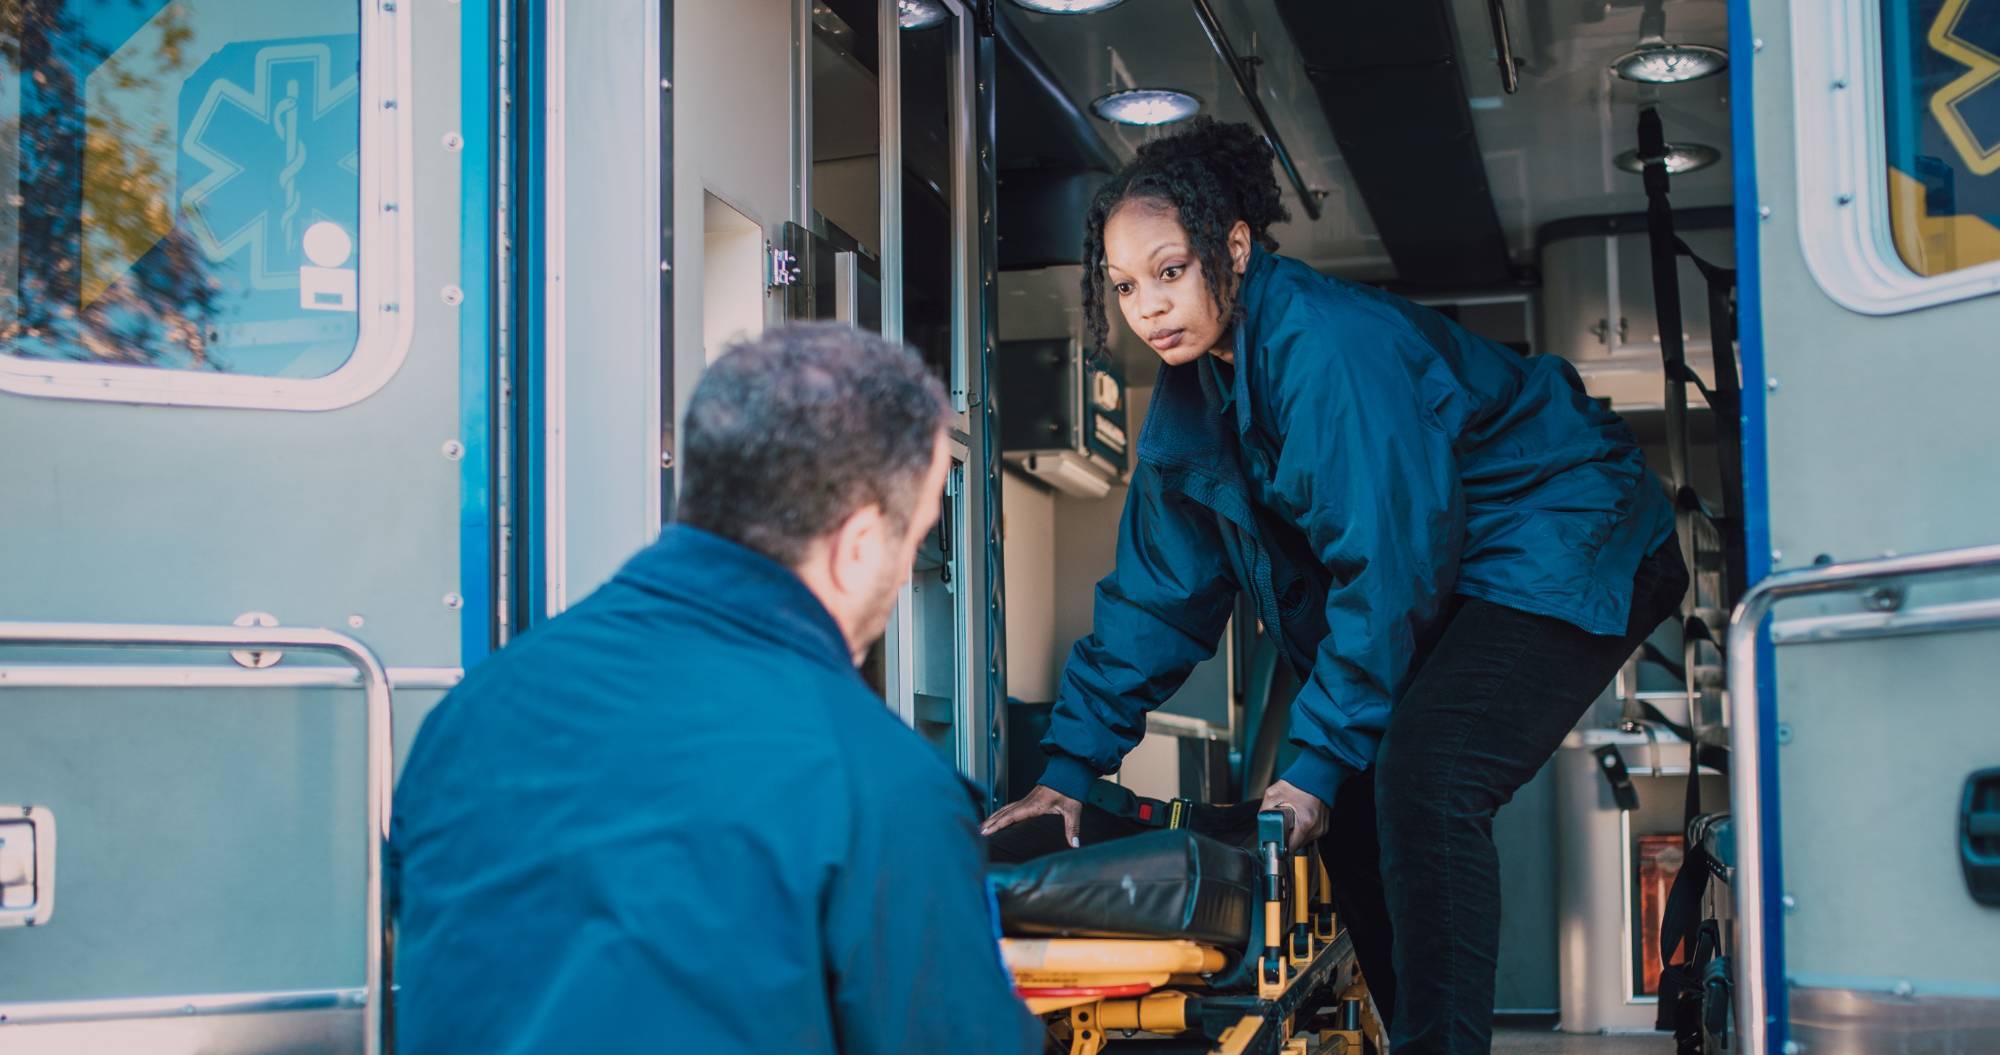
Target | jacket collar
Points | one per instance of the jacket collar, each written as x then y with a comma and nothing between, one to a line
1192,424
1252,294
736,584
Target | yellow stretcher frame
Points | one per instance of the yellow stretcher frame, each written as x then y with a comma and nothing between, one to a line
1094,988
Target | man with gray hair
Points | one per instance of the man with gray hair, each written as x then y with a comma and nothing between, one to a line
674,819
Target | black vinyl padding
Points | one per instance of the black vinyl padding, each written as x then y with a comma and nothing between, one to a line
1159,884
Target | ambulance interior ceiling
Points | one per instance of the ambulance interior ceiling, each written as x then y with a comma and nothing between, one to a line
1429,178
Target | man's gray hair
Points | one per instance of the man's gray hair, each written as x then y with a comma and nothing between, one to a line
790,433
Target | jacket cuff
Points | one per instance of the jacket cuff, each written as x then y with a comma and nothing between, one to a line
1318,774
1068,775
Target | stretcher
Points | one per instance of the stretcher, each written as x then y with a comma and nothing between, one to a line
1240,955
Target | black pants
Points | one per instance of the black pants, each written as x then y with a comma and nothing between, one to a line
1491,703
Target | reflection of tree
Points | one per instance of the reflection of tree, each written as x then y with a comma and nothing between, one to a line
88,176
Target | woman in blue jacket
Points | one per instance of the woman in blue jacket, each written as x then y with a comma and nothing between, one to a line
1454,545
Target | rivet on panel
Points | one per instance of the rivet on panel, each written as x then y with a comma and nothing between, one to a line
355,622
1784,733
453,601
666,85
1790,903
454,142
1845,199
1886,598
452,295
1764,212
1777,556
1771,384
454,450
1757,44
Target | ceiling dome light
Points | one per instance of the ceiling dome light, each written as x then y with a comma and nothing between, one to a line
1068,7
1146,106
920,14
1663,63
1655,61
1681,157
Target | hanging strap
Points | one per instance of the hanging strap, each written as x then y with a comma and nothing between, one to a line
1681,923
1726,399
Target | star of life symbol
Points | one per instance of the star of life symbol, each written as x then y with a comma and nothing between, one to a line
1969,107
272,149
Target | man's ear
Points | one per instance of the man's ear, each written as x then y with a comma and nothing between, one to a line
856,549
1239,247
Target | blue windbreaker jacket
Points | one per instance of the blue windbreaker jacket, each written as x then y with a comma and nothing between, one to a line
1364,460
676,819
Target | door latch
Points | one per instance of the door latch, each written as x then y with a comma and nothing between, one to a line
1979,836
27,865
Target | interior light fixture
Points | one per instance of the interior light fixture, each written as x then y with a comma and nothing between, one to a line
1146,106
1068,7
1656,61
1681,157
920,14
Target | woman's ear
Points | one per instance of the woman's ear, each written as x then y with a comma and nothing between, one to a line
1239,247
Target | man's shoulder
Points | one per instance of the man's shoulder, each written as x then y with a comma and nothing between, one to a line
887,759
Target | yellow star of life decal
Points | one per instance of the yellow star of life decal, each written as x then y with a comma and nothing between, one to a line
1984,72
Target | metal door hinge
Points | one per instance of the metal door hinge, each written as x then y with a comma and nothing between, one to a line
781,268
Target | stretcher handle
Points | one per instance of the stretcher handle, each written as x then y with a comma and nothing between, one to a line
1273,840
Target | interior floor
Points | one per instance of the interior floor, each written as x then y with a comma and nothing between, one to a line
1536,1040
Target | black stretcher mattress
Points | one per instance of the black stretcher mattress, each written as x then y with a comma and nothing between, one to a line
1160,884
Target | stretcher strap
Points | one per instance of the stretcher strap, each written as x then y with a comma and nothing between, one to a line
1068,991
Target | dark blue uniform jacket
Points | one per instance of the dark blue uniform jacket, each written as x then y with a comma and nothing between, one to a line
1363,460
676,820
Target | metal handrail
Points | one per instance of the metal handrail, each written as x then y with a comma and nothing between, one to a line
1218,38
1746,769
377,730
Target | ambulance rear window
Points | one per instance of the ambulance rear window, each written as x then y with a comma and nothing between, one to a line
180,185
1941,90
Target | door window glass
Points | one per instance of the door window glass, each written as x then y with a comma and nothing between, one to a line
1941,87
180,184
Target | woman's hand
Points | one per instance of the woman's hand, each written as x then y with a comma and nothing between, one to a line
1308,814
1034,804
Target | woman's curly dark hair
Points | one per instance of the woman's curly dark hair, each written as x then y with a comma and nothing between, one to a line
1211,175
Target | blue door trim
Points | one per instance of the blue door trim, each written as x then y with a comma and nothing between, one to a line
1757,499
477,625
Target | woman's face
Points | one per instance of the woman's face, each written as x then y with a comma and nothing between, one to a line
1151,268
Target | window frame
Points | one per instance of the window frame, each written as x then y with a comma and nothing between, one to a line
1843,169
386,263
